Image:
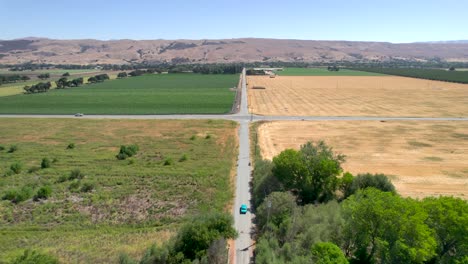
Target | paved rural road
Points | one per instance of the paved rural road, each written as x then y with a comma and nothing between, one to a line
243,223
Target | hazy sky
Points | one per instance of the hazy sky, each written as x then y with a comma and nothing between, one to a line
367,20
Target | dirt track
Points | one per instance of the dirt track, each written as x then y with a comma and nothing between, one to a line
423,158
356,96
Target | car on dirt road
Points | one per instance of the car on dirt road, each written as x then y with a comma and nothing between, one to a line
243,209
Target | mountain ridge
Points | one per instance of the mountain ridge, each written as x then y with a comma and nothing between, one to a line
126,51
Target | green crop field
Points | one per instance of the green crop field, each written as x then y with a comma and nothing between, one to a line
149,94
323,72
182,168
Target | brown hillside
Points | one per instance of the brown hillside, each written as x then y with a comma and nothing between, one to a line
86,51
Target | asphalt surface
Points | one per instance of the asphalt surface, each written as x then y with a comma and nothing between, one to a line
244,223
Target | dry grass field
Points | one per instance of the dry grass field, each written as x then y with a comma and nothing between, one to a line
356,96
422,158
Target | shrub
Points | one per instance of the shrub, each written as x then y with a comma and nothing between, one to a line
183,158
127,151
45,163
87,187
43,193
193,137
16,167
63,178
2,148
71,146
74,185
168,161
13,148
208,136
17,196
76,174
33,169
35,257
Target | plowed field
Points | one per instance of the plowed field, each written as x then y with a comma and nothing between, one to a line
356,96
423,158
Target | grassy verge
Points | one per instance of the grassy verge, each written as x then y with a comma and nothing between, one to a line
182,168
149,94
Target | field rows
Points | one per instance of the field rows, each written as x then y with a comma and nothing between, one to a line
356,96
422,158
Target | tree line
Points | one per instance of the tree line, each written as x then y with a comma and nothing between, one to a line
309,211
13,78
63,83
429,74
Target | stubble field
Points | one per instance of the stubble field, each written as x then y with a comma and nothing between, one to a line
356,96
422,158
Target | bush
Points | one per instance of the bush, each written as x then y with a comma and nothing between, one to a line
74,186
43,193
76,174
30,257
71,146
2,148
33,169
17,196
13,148
183,158
208,136
16,167
127,151
168,161
87,187
193,137
45,163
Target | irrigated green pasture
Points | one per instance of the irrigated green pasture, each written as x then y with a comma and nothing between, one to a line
149,94
323,72
182,168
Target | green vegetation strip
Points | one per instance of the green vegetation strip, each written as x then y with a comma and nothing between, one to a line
430,74
323,72
98,205
149,94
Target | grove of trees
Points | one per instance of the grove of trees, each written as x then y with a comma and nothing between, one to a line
309,211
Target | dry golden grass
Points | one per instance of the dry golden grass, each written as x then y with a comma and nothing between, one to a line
422,158
356,96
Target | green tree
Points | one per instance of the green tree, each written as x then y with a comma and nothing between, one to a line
61,83
363,181
122,75
43,76
448,216
195,238
312,170
385,227
275,209
328,253
66,74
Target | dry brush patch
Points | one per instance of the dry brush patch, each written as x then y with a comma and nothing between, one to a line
129,201
356,96
422,158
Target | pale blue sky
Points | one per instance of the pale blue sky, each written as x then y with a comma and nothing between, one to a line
366,20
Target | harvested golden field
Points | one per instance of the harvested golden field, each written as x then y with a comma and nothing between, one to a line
422,158
356,96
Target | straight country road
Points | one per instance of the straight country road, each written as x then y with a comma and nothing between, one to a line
243,249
